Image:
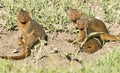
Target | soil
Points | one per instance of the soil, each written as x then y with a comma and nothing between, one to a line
56,41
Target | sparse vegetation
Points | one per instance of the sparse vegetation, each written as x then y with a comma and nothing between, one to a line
51,14
108,64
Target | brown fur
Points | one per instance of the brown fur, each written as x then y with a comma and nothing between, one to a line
92,45
74,14
31,33
87,25
95,25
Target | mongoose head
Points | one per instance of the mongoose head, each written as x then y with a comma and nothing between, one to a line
74,14
23,16
81,24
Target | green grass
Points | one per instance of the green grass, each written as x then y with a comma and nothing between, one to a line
111,10
51,14
108,64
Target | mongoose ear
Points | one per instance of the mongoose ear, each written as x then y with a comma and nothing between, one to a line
79,11
18,11
28,12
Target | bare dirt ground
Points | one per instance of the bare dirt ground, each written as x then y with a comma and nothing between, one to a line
56,40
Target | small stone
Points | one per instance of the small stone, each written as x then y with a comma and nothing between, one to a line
15,51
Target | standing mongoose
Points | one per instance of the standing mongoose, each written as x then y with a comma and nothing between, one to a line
31,33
